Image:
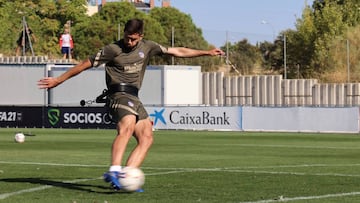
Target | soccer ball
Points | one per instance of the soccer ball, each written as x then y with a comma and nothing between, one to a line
131,179
19,137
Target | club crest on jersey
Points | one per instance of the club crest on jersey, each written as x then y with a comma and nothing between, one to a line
130,104
141,54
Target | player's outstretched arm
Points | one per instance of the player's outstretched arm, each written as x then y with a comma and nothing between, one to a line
50,82
187,52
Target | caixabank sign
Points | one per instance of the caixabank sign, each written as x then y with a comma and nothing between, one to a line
196,118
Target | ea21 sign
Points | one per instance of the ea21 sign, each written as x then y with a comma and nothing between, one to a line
55,117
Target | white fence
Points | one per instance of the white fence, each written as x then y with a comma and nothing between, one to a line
274,91
171,85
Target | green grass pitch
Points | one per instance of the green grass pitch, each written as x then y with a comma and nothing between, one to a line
63,165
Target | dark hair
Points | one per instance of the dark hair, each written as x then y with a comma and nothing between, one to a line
134,26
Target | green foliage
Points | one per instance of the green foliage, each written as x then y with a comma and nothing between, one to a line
310,48
48,18
329,24
186,34
45,18
244,56
344,58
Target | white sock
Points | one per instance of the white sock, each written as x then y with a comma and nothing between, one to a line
115,168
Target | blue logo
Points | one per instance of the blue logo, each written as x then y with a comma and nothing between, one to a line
158,115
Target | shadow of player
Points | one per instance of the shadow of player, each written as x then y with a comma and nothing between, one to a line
67,185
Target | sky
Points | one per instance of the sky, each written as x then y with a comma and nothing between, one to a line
235,20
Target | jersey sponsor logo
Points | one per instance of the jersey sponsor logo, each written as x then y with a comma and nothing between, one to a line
130,104
135,68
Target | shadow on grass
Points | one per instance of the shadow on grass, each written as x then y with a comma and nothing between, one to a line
66,185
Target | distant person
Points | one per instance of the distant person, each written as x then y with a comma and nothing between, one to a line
23,41
125,64
66,44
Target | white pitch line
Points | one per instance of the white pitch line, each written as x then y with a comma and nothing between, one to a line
184,170
51,164
263,167
288,199
160,168
6,195
287,146
224,169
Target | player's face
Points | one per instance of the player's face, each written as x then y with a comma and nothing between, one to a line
131,40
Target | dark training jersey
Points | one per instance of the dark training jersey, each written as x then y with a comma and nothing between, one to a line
125,65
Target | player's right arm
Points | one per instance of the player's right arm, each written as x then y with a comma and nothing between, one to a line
50,82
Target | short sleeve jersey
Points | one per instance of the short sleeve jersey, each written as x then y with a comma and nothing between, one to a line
124,65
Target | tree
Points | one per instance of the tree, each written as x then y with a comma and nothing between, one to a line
186,34
331,20
244,56
45,18
103,27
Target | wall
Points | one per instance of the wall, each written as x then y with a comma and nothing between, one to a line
163,85
298,119
18,85
274,91
171,85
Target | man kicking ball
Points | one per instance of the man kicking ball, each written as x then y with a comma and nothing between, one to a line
125,64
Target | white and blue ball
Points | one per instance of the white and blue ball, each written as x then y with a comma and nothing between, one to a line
132,179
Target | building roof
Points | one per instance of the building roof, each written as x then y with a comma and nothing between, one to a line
141,5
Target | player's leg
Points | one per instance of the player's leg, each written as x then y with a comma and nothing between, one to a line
125,130
144,136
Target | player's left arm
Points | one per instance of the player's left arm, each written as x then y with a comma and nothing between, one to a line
188,52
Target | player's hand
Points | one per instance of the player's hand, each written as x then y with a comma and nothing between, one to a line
48,82
217,52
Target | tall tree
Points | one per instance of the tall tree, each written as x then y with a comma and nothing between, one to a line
180,27
106,26
244,56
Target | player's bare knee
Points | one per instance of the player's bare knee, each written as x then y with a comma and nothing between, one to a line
145,139
126,130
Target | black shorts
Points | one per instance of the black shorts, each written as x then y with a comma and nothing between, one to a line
65,50
122,104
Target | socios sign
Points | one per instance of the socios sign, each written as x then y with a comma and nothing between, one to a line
78,117
83,118
53,116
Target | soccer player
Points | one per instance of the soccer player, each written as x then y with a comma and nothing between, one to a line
125,63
